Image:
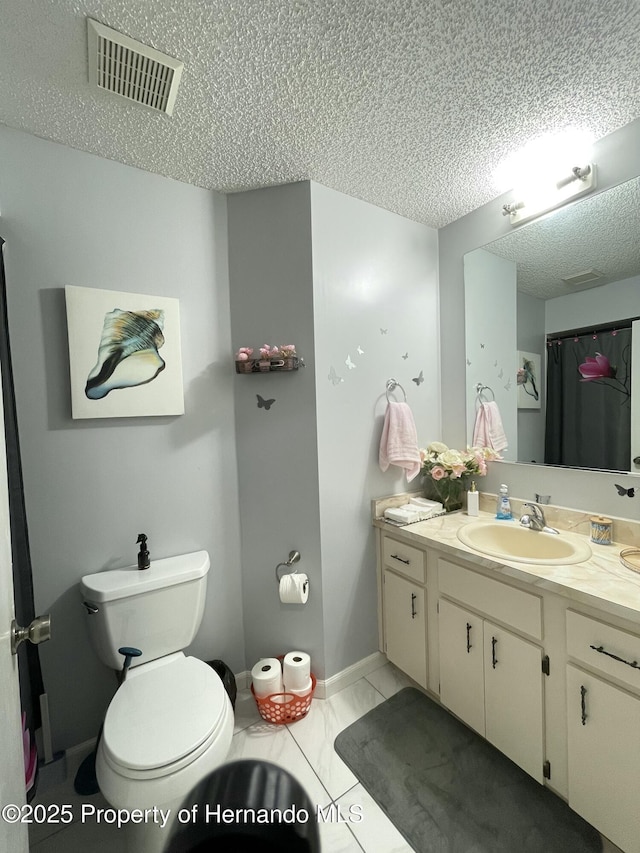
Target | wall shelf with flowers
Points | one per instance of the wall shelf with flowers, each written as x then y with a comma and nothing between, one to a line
271,359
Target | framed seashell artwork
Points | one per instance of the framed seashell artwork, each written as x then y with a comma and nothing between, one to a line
124,354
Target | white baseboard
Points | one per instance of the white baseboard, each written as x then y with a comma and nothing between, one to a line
325,688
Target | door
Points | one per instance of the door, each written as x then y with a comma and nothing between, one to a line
406,626
513,698
13,836
603,727
461,664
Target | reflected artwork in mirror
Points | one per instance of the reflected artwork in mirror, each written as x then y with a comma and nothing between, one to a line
566,286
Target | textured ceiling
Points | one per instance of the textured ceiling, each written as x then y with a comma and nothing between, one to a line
599,233
408,104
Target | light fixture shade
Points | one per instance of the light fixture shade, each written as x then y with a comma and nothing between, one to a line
543,197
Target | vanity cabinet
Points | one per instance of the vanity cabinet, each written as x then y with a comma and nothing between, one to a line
405,608
603,726
489,677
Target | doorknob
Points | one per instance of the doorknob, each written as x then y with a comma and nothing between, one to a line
37,632
636,460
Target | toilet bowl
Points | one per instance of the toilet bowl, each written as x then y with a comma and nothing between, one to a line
170,723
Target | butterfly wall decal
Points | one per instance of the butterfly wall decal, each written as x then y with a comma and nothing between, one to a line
333,377
360,351
622,491
265,404
468,361
507,387
349,363
383,331
405,356
419,379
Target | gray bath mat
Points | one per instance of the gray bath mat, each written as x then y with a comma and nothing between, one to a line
449,791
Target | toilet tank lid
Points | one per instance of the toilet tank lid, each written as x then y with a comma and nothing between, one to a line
123,583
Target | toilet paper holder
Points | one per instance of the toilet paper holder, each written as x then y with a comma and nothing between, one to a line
294,556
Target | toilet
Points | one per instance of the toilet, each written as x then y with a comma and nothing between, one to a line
170,723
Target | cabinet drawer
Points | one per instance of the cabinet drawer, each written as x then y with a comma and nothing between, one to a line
595,643
521,610
404,559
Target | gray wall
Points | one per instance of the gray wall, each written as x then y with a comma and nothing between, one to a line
531,338
490,303
372,270
91,486
326,272
272,302
618,159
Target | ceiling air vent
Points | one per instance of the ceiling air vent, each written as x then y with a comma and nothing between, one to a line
583,277
125,67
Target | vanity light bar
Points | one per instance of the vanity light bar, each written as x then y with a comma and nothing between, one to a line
581,181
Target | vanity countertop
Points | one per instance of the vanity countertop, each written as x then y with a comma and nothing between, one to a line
601,581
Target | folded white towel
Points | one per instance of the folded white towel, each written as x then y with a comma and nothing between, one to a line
488,430
399,441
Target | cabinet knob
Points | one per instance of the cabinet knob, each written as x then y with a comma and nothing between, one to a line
494,659
413,605
469,647
583,704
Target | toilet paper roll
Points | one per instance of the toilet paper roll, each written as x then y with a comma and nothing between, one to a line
294,588
266,677
300,691
296,671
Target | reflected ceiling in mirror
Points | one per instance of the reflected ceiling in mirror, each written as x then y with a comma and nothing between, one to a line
595,239
598,233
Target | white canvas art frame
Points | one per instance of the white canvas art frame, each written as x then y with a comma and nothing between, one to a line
529,391
124,354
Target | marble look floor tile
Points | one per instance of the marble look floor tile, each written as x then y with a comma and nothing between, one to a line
89,837
62,794
316,733
337,838
375,832
246,711
274,743
388,679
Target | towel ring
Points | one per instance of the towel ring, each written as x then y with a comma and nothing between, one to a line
480,388
392,384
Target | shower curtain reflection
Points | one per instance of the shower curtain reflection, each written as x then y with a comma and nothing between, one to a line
588,421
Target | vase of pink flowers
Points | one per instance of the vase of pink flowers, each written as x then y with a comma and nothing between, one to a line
448,473
267,352
244,362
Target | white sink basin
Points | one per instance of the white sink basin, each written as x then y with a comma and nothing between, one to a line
510,541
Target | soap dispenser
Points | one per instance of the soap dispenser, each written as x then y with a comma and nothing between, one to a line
473,500
503,509
144,560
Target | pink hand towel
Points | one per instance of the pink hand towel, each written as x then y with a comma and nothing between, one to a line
488,430
399,441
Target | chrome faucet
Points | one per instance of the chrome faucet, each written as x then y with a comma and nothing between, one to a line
535,520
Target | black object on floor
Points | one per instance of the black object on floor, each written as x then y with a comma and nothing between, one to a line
86,782
447,790
228,679
273,813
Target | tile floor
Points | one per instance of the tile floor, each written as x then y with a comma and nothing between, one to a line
305,748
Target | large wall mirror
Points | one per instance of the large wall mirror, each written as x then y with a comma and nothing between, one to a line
553,335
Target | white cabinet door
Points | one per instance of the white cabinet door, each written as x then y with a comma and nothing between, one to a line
514,698
604,757
461,664
405,626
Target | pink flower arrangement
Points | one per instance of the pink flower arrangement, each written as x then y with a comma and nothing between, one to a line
288,351
244,354
267,352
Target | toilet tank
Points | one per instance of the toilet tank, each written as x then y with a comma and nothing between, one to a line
157,610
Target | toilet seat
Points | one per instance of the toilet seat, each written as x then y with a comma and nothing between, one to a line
163,717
